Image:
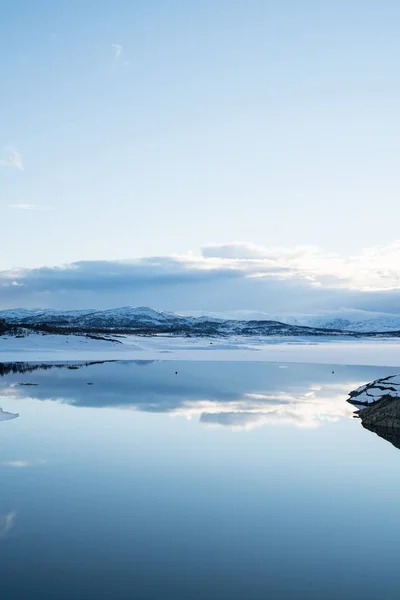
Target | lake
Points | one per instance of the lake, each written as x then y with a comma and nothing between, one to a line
194,480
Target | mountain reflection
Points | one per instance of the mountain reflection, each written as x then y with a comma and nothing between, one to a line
225,394
25,367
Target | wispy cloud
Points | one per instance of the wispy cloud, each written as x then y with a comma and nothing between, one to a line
21,464
118,50
7,523
30,207
14,159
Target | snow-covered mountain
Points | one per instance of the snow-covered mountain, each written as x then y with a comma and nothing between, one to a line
148,321
351,320
115,317
39,315
361,321
145,319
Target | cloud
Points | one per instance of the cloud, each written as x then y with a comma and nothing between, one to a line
375,268
30,207
7,523
118,50
14,159
221,278
100,275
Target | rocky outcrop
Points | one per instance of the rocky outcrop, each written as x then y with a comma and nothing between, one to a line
383,413
379,407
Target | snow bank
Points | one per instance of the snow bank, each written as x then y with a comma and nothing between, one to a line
6,416
373,392
49,348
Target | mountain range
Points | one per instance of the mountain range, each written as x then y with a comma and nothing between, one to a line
345,319
146,320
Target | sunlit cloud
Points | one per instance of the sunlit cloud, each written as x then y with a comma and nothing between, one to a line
375,268
14,159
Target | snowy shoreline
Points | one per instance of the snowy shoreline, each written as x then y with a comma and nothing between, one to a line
49,348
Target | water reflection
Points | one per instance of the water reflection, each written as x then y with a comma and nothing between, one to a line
6,523
107,492
386,433
234,395
31,367
6,416
304,407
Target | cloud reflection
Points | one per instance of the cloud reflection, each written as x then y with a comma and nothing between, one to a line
308,408
7,523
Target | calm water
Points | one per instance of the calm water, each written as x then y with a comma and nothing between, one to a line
223,481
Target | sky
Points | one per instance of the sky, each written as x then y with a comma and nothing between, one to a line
190,139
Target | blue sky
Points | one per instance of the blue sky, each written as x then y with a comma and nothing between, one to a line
137,129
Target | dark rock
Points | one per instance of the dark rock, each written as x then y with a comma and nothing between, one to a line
385,413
